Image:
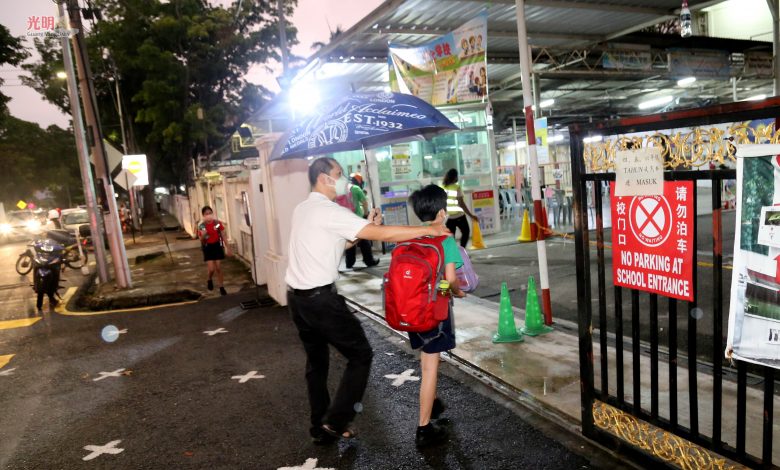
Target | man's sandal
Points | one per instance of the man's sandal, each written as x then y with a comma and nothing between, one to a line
344,434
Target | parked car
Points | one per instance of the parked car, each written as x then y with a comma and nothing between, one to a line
20,225
71,219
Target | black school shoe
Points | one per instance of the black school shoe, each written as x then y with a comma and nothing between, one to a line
210,285
430,434
320,438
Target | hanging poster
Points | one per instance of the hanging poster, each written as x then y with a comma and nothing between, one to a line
484,204
542,146
754,309
652,241
475,159
451,69
401,165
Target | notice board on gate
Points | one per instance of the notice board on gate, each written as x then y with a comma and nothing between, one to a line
652,241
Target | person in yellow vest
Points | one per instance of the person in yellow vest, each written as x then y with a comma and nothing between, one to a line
456,207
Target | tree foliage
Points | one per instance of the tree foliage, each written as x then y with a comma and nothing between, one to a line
172,59
12,52
36,160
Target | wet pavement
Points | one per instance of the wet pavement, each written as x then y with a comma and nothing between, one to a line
165,386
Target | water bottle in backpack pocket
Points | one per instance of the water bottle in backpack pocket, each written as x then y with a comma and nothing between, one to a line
410,291
467,277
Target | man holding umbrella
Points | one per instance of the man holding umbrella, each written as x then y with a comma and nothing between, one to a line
321,230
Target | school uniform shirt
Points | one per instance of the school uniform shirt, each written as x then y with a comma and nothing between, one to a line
212,230
319,234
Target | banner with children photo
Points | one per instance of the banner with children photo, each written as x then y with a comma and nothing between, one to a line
754,314
451,69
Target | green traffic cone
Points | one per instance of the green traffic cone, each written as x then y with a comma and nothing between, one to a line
534,325
507,331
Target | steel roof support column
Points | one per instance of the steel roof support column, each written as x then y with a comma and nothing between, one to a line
773,7
525,76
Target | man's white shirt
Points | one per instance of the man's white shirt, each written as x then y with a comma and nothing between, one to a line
319,233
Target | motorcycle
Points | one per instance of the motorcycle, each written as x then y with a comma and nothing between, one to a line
46,266
74,256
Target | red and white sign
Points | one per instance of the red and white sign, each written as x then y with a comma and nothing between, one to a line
652,241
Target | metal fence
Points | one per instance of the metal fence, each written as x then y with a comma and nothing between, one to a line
668,428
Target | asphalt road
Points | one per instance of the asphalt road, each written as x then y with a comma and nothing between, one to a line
514,264
175,404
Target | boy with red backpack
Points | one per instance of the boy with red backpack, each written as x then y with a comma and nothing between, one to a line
418,292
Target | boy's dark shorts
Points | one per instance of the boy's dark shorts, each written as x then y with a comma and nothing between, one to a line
439,339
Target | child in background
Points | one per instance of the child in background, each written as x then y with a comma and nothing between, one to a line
214,249
430,206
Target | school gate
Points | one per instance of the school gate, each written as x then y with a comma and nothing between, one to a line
654,379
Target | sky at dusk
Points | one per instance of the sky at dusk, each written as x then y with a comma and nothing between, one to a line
311,17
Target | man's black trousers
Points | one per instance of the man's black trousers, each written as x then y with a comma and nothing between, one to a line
322,319
365,250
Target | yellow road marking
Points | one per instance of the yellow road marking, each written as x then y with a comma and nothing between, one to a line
63,310
8,324
5,360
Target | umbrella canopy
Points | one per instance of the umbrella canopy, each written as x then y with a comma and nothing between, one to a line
363,121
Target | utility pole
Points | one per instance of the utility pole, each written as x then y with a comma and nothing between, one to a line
533,162
95,222
95,141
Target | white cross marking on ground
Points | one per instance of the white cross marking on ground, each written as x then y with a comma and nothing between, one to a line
214,332
97,451
310,464
8,372
103,375
405,376
252,374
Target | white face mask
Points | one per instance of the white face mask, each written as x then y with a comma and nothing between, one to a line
340,185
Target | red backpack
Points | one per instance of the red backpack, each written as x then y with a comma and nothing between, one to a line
410,289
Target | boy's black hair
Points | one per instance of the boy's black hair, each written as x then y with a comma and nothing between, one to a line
428,201
320,165
206,208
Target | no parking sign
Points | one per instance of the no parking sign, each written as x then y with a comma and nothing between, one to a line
652,241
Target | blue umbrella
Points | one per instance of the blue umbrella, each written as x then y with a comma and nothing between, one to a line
363,121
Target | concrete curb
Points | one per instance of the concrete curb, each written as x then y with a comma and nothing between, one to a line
68,298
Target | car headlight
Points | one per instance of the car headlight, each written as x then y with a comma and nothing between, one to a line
33,225
5,229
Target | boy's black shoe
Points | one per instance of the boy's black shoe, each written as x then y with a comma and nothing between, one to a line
430,434
438,408
373,263
320,438
222,291
210,285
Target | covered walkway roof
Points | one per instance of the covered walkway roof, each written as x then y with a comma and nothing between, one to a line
596,58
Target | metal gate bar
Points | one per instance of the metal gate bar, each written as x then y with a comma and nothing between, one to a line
717,308
693,386
619,345
654,358
597,198
673,364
